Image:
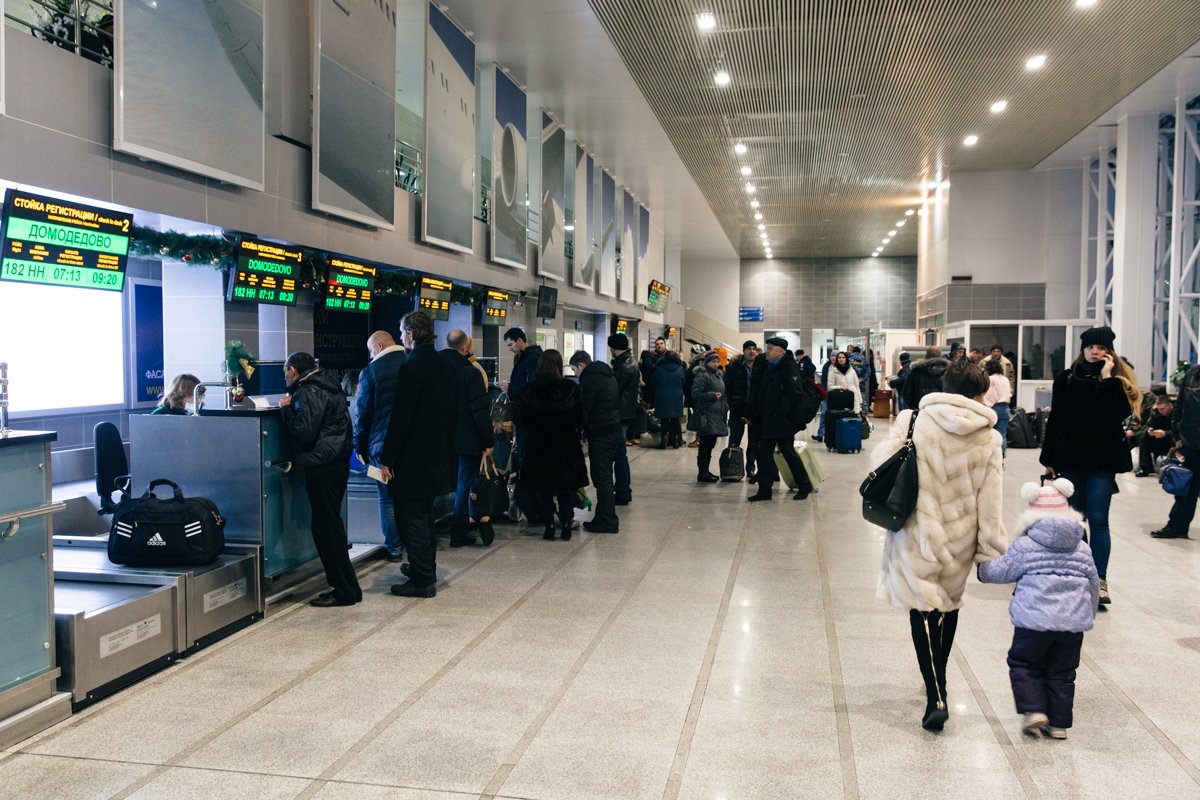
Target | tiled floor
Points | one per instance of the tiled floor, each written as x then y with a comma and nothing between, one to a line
714,649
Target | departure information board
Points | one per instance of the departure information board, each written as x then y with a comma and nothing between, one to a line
434,297
657,296
349,285
265,272
495,308
63,243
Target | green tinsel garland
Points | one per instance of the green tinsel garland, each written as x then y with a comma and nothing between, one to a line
218,253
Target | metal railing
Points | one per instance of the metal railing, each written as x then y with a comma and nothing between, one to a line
410,168
81,26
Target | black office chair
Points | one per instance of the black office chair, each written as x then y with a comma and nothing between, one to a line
112,468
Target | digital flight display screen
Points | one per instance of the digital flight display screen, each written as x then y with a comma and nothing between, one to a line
434,297
657,296
63,243
265,272
623,326
349,285
495,308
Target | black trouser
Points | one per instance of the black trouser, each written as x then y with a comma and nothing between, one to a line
670,431
933,637
1151,447
566,507
414,516
602,455
1041,666
768,473
736,428
326,486
704,454
1184,508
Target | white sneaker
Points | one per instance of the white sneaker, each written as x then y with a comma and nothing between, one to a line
1050,732
1034,721
1104,598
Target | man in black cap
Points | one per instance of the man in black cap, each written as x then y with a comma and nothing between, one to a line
997,354
777,407
897,383
737,389
627,375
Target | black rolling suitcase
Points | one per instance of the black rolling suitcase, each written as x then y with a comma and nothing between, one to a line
1020,431
732,464
180,532
839,400
831,423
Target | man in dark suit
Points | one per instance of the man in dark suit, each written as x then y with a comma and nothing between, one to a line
376,390
777,396
418,460
473,436
605,434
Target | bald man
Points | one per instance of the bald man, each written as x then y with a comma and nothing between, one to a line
376,390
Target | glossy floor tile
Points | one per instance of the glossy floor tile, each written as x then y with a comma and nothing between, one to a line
714,649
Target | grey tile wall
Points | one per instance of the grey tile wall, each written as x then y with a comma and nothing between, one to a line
841,293
995,301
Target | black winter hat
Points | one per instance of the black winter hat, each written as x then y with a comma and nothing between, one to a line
749,343
778,341
1101,336
618,341
905,358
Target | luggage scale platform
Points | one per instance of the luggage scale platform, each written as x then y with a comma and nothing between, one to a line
115,624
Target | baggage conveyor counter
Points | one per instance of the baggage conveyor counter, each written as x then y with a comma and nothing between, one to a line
235,459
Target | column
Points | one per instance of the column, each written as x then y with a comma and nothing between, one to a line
1133,238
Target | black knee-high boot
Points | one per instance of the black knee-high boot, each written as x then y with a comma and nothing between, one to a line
949,624
927,642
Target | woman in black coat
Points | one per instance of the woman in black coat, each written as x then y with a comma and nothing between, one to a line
550,411
1084,440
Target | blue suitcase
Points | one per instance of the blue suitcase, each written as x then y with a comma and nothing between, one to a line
832,418
849,435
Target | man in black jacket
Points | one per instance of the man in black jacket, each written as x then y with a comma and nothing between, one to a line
737,388
776,397
473,435
376,389
627,375
418,459
525,359
605,435
316,417
924,377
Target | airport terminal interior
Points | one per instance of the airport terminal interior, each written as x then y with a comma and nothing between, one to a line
220,191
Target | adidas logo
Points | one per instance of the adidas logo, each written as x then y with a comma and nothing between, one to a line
156,541
194,528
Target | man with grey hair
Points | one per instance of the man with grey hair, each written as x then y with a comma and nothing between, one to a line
418,461
473,436
376,390
605,434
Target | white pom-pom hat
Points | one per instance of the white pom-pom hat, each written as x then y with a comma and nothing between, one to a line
1046,501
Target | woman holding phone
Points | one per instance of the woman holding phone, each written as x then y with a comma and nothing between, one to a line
1084,440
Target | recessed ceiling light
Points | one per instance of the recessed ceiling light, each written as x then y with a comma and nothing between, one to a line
892,232
746,171
900,223
750,188
568,227
920,212
971,140
770,256
758,215
740,148
1034,63
945,184
754,204
762,227
1084,3
721,78
999,106
908,213
706,21
885,241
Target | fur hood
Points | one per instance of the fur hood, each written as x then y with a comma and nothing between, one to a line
958,520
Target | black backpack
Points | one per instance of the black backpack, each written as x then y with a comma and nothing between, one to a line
1020,431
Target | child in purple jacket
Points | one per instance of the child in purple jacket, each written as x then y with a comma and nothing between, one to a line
1055,601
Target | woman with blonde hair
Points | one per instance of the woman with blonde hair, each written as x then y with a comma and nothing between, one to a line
178,395
1084,440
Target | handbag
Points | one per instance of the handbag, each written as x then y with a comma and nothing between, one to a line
179,532
489,491
1174,477
889,491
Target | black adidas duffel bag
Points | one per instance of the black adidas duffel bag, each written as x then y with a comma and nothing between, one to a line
179,532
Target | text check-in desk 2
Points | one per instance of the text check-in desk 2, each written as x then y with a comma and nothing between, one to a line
28,670
233,458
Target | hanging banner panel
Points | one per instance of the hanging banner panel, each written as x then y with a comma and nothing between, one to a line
354,77
448,204
188,87
627,264
509,218
608,235
643,237
583,266
552,257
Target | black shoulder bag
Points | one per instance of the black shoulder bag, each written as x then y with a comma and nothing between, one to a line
889,492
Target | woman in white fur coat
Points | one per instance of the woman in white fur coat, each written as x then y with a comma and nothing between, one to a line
957,522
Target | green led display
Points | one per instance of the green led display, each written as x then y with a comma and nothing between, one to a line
350,285
265,272
59,243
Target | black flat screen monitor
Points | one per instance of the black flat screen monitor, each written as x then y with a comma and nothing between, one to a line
434,297
267,379
495,308
547,305
265,272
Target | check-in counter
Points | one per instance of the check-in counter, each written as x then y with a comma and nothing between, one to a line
233,458
28,668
